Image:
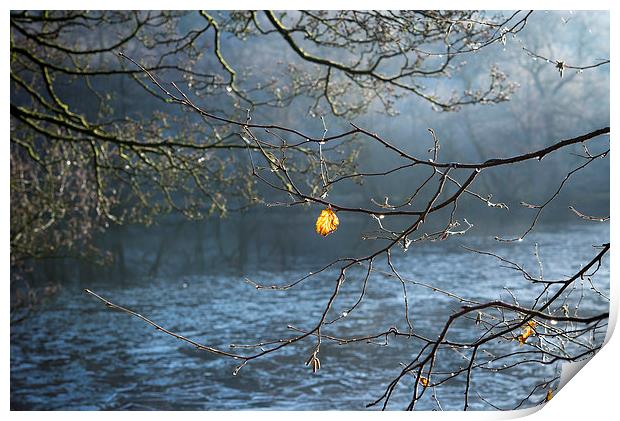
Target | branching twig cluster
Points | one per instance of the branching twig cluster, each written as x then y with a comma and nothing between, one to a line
80,169
546,328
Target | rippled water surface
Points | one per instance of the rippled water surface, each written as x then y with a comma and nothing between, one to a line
74,353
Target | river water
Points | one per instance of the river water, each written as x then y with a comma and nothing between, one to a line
75,354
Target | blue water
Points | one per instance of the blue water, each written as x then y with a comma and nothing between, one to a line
75,354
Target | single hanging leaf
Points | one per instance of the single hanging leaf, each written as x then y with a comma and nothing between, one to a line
314,362
549,395
327,222
528,331
425,382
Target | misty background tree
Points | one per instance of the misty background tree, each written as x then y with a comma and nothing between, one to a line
125,117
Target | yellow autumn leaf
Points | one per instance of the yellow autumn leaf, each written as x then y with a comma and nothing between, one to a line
327,222
549,395
424,381
527,332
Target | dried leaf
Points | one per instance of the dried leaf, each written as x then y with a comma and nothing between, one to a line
316,365
561,66
549,395
314,362
425,382
327,222
527,332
